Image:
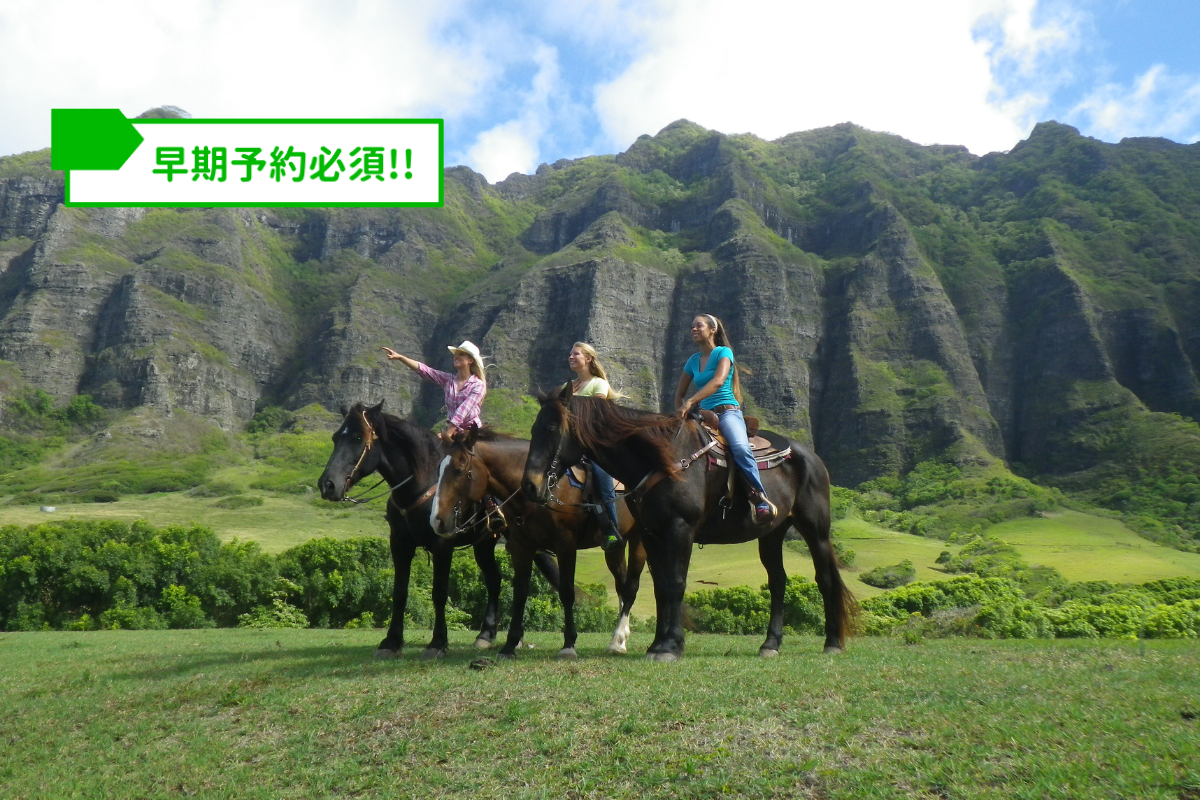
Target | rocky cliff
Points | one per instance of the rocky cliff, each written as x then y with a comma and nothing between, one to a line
889,302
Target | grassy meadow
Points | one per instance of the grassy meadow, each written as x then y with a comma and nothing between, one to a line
310,713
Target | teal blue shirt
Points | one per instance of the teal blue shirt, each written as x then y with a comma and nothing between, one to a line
722,396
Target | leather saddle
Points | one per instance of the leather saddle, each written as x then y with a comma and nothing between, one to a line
580,477
768,454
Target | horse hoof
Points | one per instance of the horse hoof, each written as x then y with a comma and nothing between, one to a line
507,656
383,654
432,653
568,653
766,652
665,658
482,643
617,649
832,649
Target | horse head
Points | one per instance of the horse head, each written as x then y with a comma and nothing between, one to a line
461,487
356,451
553,448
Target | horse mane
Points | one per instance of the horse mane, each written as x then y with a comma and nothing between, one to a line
599,423
420,443
489,434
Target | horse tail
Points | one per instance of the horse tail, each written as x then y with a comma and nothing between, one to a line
849,612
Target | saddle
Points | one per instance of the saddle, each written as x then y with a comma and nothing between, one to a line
580,477
768,455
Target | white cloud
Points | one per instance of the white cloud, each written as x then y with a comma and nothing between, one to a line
1157,103
778,66
220,59
512,146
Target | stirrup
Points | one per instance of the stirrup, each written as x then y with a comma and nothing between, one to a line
496,523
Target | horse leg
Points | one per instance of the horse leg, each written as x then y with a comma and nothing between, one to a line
836,597
485,557
615,559
522,564
770,552
669,570
566,594
547,566
628,590
441,585
403,551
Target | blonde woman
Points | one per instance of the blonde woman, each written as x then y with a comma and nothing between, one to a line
592,381
464,390
711,370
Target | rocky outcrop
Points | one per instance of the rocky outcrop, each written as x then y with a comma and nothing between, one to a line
888,302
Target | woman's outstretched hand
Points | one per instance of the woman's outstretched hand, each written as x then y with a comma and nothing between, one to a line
391,354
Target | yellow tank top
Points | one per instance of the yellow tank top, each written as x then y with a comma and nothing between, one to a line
596,386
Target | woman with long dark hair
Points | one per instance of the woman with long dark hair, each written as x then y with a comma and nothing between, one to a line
712,371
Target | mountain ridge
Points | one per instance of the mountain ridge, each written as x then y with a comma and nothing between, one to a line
891,302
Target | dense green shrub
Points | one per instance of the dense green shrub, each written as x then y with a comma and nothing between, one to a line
82,575
890,577
740,609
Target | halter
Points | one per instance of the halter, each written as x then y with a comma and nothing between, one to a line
369,439
475,519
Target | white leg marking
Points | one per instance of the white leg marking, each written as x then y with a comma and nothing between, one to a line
620,635
437,494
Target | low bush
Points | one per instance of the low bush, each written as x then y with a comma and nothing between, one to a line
83,575
890,577
740,609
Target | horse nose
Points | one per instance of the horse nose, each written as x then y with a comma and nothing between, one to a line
328,489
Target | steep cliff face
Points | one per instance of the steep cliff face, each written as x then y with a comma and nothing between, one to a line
888,302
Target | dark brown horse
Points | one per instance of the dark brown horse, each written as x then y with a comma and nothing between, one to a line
678,503
489,464
406,455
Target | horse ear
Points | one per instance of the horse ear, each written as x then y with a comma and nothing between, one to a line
375,410
344,411
472,436
565,393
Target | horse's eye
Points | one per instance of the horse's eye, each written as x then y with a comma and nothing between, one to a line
553,428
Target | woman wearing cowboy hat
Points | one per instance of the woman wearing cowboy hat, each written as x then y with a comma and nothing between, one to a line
464,391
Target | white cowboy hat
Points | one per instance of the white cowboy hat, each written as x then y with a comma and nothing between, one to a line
468,348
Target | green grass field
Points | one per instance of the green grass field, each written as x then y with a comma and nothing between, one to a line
310,713
282,521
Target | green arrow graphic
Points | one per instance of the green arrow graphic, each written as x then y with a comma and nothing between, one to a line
91,138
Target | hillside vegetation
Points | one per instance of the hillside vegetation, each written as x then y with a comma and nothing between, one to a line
906,309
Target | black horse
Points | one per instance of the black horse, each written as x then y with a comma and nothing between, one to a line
680,503
406,455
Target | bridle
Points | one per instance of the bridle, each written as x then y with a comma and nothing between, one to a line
489,509
369,439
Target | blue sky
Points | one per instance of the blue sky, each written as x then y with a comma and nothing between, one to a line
520,83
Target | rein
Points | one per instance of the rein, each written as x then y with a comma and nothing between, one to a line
369,439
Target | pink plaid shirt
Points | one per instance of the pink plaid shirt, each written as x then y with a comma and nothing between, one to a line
462,405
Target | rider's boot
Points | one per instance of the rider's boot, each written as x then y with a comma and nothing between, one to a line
608,528
764,510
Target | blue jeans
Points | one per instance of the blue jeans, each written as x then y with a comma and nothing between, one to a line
733,428
607,492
